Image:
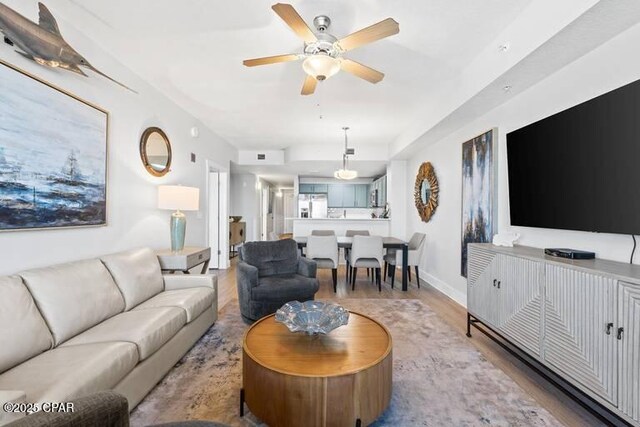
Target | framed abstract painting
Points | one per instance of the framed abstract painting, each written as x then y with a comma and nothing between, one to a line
479,198
53,156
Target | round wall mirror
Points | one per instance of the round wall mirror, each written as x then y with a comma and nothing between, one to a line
155,151
426,191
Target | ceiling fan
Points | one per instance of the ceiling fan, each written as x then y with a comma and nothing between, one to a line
323,52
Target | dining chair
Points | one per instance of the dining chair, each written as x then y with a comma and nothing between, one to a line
324,251
352,233
394,258
366,252
323,233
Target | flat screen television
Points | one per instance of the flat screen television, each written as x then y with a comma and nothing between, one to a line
579,169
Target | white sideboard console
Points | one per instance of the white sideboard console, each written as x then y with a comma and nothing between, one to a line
580,320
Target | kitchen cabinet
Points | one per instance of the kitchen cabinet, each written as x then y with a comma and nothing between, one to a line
362,196
305,189
341,195
320,188
313,188
379,185
334,196
348,196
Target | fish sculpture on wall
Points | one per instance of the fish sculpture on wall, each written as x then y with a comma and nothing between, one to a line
43,42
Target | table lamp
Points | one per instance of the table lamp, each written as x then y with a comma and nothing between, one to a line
178,198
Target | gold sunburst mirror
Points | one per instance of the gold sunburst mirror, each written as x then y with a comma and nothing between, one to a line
426,191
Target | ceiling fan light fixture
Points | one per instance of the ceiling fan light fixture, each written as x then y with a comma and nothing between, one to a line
321,66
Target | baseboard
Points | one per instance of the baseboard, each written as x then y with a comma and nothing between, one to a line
445,288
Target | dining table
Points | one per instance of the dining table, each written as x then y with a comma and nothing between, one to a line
387,243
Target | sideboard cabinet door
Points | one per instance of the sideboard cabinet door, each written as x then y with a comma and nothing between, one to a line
519,315
481,285
578,308
629,349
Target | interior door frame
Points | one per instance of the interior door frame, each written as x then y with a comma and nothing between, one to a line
223,212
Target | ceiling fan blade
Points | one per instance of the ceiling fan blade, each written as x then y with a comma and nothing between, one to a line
270,60
309,85
375,32
293,20
362,71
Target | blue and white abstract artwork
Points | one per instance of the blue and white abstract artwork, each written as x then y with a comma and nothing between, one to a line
53,155
478,188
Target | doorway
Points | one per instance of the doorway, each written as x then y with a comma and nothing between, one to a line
289,211
266,214
217,216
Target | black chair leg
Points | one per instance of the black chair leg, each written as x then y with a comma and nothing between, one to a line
354,275
409,272
417,277
392,271
334,273
386,265
368,271
346,271
379,278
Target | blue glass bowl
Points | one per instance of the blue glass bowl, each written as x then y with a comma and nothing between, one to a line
312,317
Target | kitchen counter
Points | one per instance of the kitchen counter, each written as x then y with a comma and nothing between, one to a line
375,226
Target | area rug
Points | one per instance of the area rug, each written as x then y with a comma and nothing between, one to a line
439,379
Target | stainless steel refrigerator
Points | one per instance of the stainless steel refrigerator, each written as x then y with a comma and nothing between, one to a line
312,205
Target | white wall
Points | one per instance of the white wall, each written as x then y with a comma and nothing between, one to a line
612,65
133,219
399,196
271,157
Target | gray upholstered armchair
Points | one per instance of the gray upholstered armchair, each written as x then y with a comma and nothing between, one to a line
271,274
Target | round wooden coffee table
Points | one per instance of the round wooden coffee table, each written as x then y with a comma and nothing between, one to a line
339,379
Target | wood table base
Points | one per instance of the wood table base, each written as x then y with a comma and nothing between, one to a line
285,399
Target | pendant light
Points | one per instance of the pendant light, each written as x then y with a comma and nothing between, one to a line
345,173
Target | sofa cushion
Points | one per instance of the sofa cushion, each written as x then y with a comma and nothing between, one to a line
288,287
193,301
73,297
65,373
137,274
23,332
278,257
148,329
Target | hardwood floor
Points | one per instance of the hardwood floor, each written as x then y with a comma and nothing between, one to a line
547,395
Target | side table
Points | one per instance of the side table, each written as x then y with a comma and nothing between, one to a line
184,260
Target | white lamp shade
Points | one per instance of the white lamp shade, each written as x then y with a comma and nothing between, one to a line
320,66
345,174
178,198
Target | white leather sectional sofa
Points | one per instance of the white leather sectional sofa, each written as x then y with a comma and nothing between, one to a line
114,323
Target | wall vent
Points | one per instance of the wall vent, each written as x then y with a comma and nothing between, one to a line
262,156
